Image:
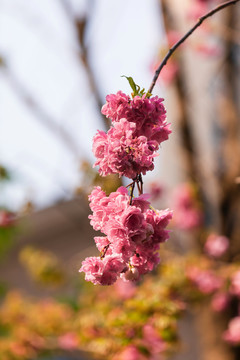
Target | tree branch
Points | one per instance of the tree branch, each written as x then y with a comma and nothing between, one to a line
175,46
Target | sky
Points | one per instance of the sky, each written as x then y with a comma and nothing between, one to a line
39,46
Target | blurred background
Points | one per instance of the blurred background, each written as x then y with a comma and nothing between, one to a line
58,61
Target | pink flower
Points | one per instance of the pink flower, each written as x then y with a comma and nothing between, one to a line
197,9
187,214
133,231
152,340
117,106
220,301
6,219
68,341
102,271
133,236
159,220
205,280
125,290
169,72
216,245
235,284
129,147
125,154
93,268
232,334
208,50
131,274
142,202
155,190
129,353
173,36
101,242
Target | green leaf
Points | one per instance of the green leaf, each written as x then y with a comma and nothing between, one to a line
132,84
136,88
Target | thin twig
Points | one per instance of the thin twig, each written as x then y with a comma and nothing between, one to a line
177,44
141,184
131,194
80,25
130,184
139,188
103,252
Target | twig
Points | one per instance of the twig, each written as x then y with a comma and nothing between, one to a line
132,190
177,44
80,25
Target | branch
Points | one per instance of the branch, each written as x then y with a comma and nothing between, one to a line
80,25
174,47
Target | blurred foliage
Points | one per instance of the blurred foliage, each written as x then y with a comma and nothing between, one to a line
91,178
43,266
107,322
7,231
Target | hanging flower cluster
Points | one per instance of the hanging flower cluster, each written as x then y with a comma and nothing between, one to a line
133,230
133,236
130,145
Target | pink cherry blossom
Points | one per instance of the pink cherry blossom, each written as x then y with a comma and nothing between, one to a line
125,289
130,145
187,214
117,106
133,232
235,284
155,190
102,271
133,236
129,353
232,334
124,154
153,340
220,301
216,245
6,219
68,341
205,280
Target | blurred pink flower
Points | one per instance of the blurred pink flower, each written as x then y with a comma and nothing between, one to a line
125,289
197,9
235,284
216,245
18,349
68,341
232,334
187,214
129,353
220,301
168,72
206,281
152,340
173,37
6,218
208,50
155,190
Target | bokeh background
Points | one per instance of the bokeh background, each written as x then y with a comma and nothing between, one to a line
58,61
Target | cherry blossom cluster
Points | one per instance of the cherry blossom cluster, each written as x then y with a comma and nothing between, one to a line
132,230
131,144
133,234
